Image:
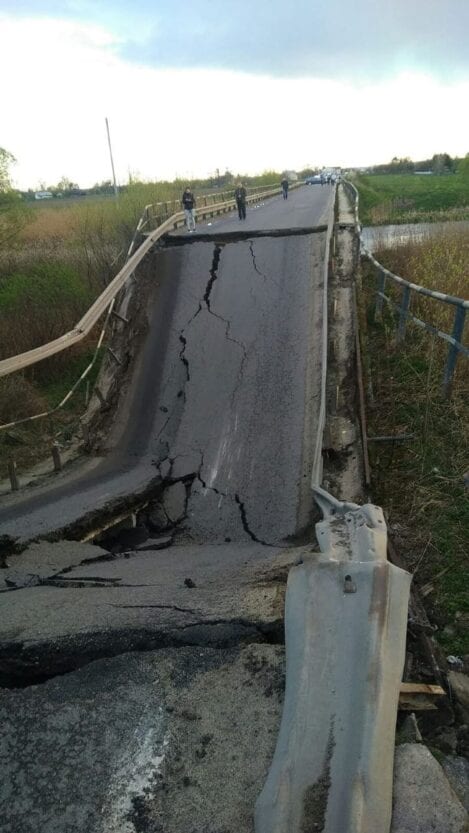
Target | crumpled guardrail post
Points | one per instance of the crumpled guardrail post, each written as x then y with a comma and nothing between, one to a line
345,621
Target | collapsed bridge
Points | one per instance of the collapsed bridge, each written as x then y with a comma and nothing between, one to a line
207,433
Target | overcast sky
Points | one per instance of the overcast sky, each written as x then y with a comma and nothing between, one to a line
189,87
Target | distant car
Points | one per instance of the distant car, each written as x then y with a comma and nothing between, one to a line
313,180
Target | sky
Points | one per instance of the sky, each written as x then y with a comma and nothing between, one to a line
192,86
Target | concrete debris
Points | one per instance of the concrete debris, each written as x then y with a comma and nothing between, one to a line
409,732
43,560
446,740
142,602
174,501
153,544
460,691
158,519
165,468
423,798
160,740
457,772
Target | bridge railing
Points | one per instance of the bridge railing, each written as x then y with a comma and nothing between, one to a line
386,280
156,213
88,321
104,306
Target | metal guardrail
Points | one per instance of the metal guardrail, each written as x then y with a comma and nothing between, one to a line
354,198
345,635
316,474
99,307
454,339
160,211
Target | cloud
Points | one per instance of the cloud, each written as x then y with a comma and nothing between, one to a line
165,122
304,38
283,38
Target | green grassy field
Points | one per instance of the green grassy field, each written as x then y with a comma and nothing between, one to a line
407,198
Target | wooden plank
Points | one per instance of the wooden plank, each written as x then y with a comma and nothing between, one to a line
418,697
422,688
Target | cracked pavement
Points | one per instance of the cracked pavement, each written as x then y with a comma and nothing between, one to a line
253,481
169,636
227,369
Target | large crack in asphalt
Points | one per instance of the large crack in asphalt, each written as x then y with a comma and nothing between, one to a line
256,268
26,664
29,664
205,303
242,512
213,273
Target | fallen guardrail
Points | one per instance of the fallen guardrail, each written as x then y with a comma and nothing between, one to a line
345,635
405,315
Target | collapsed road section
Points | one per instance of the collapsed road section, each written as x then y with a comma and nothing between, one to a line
218,382
143,678
140,671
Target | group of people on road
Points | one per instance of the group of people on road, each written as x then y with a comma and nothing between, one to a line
240,195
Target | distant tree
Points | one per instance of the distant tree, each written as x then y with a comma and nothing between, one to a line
307,172
66,184
6,161
442,163
402,166
13,211
463,166
395,166
106,187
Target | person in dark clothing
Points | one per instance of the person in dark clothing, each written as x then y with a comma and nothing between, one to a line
188,203
284,183
240,197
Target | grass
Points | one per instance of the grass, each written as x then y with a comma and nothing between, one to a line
39,304
407,198
420,482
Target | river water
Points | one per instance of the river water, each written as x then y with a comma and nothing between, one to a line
375,237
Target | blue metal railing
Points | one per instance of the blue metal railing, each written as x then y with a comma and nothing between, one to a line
454,339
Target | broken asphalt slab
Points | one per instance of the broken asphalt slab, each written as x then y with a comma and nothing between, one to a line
174,740
178,739
183,595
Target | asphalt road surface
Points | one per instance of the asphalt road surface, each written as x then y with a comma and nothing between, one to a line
226,387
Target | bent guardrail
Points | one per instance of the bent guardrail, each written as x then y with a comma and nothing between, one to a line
454,339
98,308
345,636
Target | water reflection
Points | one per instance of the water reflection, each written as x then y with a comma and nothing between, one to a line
376,237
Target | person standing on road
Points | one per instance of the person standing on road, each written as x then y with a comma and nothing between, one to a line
284,183
240,197
188,203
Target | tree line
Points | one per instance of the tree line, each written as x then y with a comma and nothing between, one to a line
440,163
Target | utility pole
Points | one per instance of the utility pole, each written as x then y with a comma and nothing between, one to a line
116,194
